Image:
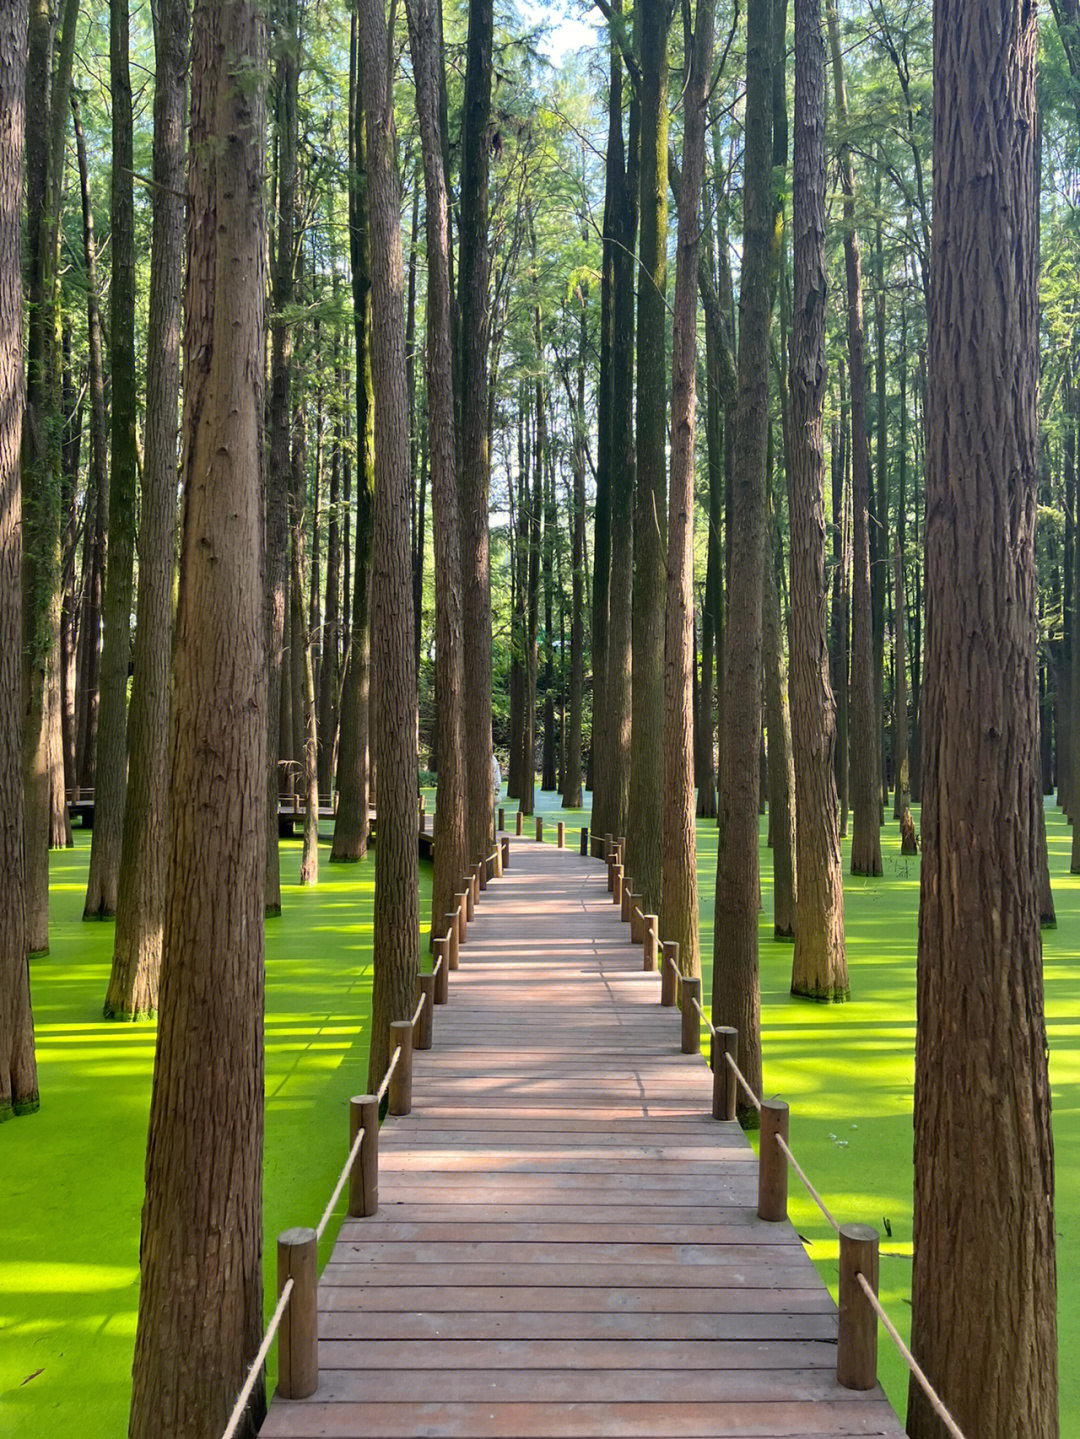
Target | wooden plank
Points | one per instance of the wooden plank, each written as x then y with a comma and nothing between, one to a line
586,1355
575,1327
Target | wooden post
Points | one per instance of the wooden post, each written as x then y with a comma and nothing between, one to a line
423,822
856,1344
502,817
364,1176
650,941
425,1025
497,863
452,938
519,823
505,852
469,893
585,841
772,1162
610,873
560,831
627,899
476,886
637,919
691,1022
616,884
607,847
669,979
539,829
482,874
399,1095
462,917
442,979
724,1084
298,1337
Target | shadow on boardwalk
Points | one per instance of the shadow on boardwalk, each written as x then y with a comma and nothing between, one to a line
566,1243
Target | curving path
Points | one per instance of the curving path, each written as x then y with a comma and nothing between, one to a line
566,1243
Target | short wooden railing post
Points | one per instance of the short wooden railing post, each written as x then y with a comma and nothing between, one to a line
616,884
637,926
650,942
772,1162
442,978
462,899
423,822
691,1024
669,976
502,817
399,1095
425,1025
505,852
476,885
724,1084
482,875
364,1177
452,933
469,892
856,1345
519,817
585,841
539,829
627,899
298,1337
560,831
497,861
610,872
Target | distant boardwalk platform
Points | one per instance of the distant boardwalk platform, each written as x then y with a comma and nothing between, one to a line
566,1243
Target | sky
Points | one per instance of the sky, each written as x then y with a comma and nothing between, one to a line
572,25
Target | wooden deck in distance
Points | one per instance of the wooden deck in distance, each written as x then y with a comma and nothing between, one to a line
566,1243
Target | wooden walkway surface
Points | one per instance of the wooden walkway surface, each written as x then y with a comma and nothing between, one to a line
566,1243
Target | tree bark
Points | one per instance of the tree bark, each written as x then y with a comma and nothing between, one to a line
819,965
308,746
984,1170
865,769
901,771
200,1299
736,998
679,888
110,778
396,933
18,1065
329,671
571,778
780,760
133,983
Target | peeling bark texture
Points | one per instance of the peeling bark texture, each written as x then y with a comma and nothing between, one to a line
200,1299
646,813
18,1066
819,964
396,922
110,776
140,904
865,769
984,1163
351,824
736,997
474,479
451,841
679,888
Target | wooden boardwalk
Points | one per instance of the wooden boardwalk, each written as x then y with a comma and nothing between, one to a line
566,1243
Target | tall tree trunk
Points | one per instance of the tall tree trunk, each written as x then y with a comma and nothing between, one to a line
571,778
133,983
781,771
901,775
622,174
819,965
304,721
865,769
97,496
72,410
532,657
18,1065
736,999
451,840
200,1298
645,817
110,781
286,82
984,1169
518,624
679,889
351,823
396,924
329,674
548,773
474,479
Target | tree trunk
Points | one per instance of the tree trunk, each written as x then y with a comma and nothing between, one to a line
307,746
110,781
984,1170
133,983
329,673
451,840
865,769
532,657
646,813
736,999
351,823
72,409
474,480
679,888
396,923
780,761
819,965
200,1299
548,771
901,773
18,1065
518,623
571,779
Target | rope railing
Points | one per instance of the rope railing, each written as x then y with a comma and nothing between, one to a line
381,1092
909,1359
241,1404
860,1308
343,1179
418,1011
